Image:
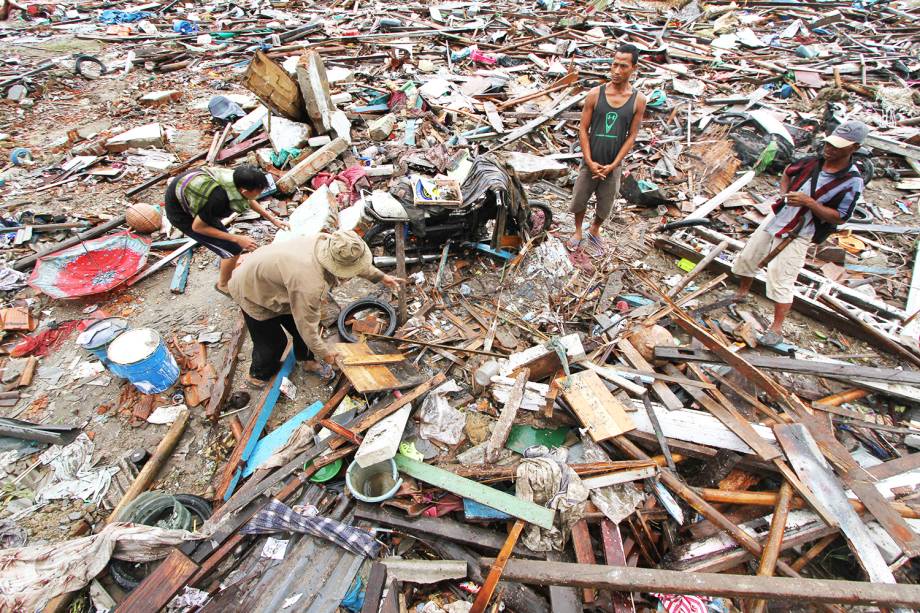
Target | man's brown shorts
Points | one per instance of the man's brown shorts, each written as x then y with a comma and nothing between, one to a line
605,192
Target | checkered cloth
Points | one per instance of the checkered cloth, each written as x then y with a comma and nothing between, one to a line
278,517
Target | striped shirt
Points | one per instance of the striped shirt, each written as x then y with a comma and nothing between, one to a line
842,197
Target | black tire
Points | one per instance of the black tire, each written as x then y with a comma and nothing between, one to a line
128,575
89,67
379,235
361,305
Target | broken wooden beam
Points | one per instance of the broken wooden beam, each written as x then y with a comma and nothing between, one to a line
710,584
502,427
221,388
805,367
488,586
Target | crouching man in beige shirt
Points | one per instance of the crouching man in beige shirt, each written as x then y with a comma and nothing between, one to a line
281,287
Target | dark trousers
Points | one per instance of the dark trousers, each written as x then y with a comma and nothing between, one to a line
268,343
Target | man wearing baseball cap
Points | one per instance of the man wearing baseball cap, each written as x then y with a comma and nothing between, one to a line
817,194
282,286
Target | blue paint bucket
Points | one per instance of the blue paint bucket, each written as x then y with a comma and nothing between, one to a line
141,357
97,337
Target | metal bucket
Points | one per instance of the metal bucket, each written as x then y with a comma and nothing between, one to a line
97,337
141,357
375,483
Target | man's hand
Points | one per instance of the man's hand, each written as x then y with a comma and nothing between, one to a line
597,171
332,358
281,225
392,282
609,168
800,199
247,243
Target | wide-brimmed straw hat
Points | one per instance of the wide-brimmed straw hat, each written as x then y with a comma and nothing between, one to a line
343,254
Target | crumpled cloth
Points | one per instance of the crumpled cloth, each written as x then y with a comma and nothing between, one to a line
31,576
548,481
351,176
438,420
278,517
487,173
11,279
73,475
616,502
113,17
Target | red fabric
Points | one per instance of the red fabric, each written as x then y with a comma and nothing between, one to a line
682,603
350,177
43,342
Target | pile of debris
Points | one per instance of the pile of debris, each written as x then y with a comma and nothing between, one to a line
523,424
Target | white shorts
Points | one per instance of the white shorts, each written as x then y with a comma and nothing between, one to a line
782,271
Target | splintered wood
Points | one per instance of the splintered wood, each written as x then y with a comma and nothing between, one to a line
603,415
714,163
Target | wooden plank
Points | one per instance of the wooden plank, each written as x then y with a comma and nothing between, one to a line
603,415
661,391
400,230
368,419
221,389
188,246
895,467
180,275
376,580
711,584
732,420
152,468
584,553
257,420
774,541
563,599
274,87
371,360
443,527
809,464
365,379
488,586
616,556
805,367
173,573
502,427
882,340
467,488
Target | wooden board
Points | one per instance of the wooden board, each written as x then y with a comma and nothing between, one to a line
274,87
812,468
584,553
365,379
467,488
172,573
659,389
603,415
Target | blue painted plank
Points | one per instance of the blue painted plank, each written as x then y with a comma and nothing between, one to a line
480,512
273,394
277,437
484,247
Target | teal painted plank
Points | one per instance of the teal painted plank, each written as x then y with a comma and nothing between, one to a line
180,276
277,437
467,488
273,394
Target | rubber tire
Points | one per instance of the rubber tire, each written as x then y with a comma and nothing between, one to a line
88,59
123,572
360,305
376,235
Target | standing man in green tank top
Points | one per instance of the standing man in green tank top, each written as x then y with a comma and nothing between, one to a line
610,121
